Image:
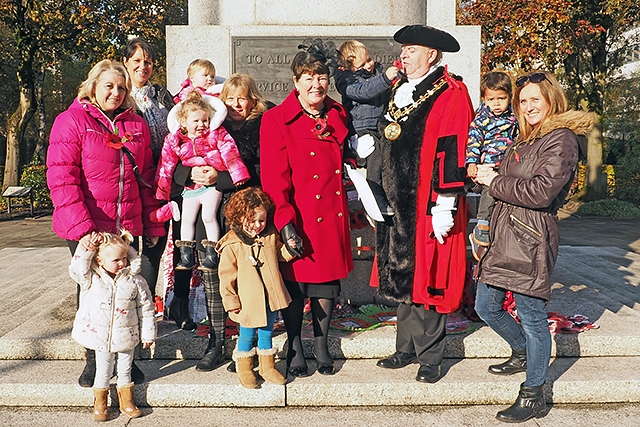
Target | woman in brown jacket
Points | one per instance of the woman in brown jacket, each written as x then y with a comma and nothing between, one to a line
251,286
531,185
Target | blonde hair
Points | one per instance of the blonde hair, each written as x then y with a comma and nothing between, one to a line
201,64
87,89
193,102
553,94
350,51
244,83
122,240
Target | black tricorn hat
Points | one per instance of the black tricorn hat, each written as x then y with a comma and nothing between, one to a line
427,36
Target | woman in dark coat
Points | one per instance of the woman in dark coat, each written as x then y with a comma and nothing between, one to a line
302,151
531,185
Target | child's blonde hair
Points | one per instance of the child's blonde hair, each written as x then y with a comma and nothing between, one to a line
194,102
350,51
123,239
201,64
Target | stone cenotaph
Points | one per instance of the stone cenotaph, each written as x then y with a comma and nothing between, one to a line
260,37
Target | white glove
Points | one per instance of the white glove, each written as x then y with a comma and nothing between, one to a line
442,216
363,145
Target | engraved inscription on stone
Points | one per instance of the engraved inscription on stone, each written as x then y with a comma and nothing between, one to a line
268,60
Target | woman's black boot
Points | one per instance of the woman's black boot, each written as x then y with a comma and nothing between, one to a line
516,363
530,404
212,259
187,259
179,313
213,356
88,374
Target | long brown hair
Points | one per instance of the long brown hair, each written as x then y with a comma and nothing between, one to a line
553,94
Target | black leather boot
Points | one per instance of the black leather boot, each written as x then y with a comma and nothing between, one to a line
88,374
179,313
213,356
530,404
516,363
212,259
187,260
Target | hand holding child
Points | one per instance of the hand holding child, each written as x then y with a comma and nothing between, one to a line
485,174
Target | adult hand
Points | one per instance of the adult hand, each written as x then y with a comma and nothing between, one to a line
485,175
204,175
287,233
472,170
152,241
442,216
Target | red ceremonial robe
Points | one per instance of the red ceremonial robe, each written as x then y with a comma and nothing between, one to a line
426,160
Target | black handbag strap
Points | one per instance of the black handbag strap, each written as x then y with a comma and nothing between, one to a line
128,153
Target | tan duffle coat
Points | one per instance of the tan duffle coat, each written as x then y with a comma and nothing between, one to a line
250,276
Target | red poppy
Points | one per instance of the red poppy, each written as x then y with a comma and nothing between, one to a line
128,137
320,127
112,141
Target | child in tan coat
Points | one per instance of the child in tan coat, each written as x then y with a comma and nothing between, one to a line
251,286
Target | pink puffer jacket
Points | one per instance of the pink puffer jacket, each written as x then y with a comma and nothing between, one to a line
216,149
93,187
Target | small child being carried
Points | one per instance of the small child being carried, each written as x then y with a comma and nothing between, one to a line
201,76
493,129
196,140
116,312
365,90
251,286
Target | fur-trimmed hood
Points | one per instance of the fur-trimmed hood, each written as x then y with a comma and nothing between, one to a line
579,122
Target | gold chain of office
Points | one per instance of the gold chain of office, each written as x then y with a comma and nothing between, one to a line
393,130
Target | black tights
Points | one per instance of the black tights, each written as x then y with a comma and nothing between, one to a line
321,311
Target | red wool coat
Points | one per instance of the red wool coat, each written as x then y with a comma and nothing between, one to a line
303,173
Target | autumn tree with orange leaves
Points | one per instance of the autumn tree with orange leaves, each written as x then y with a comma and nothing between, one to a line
581,41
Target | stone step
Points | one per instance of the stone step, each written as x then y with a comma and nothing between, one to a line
175,383
51,340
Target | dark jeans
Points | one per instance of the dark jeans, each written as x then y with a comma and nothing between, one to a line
532,333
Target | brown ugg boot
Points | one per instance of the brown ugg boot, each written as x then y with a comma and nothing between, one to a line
125,397
244,367
100,412
267,369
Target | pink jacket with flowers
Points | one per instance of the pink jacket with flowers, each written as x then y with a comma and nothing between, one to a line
93,187
216,149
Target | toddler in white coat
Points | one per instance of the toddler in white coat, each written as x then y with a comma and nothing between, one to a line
116,312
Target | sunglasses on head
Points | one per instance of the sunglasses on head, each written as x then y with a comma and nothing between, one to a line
533,78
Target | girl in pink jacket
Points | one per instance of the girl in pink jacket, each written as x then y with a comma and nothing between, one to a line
195,140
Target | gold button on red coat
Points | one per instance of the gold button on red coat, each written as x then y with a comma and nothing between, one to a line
338,193
320,219
337,171
312,154
340,214
316,176
318,196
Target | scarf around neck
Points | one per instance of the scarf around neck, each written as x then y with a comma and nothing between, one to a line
154,114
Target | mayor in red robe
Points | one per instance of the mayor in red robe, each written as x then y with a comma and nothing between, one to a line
421,249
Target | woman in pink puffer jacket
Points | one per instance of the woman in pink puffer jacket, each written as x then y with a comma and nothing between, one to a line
92,181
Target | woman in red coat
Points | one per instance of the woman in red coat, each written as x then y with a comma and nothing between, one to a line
302,144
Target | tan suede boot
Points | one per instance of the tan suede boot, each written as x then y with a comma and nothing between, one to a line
100,411
267,369
125,397
244,367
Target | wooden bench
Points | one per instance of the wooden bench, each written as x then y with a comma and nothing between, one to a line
13,192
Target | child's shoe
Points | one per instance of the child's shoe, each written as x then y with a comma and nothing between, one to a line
212,259
187,260
125,398
244,366
479,239
100,407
